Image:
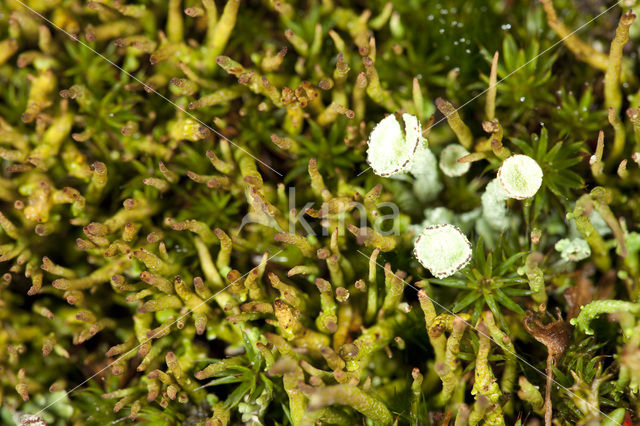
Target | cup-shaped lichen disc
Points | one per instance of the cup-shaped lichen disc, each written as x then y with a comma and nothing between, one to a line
442,249
449,160
520,176
390,151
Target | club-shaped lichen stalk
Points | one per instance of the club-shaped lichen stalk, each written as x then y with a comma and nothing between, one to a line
442,249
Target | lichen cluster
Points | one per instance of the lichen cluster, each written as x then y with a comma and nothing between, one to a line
319,212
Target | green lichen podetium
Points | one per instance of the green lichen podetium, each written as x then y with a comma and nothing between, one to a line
191,234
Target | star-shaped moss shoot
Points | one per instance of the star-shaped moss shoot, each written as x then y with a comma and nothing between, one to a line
449,160
442,249
520,176
390,151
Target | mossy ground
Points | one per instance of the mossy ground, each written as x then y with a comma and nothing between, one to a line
180,241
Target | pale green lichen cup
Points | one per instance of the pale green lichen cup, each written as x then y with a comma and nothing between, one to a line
442,249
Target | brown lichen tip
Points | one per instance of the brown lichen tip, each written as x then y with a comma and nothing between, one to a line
342,294
31,420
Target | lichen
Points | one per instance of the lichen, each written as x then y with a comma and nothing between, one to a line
287,212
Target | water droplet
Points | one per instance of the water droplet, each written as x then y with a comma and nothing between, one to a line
430,18
468,50
441,30
522,99
506,27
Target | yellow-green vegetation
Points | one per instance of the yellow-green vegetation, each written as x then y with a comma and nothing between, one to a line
191,233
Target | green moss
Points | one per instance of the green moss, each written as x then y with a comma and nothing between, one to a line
190,232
